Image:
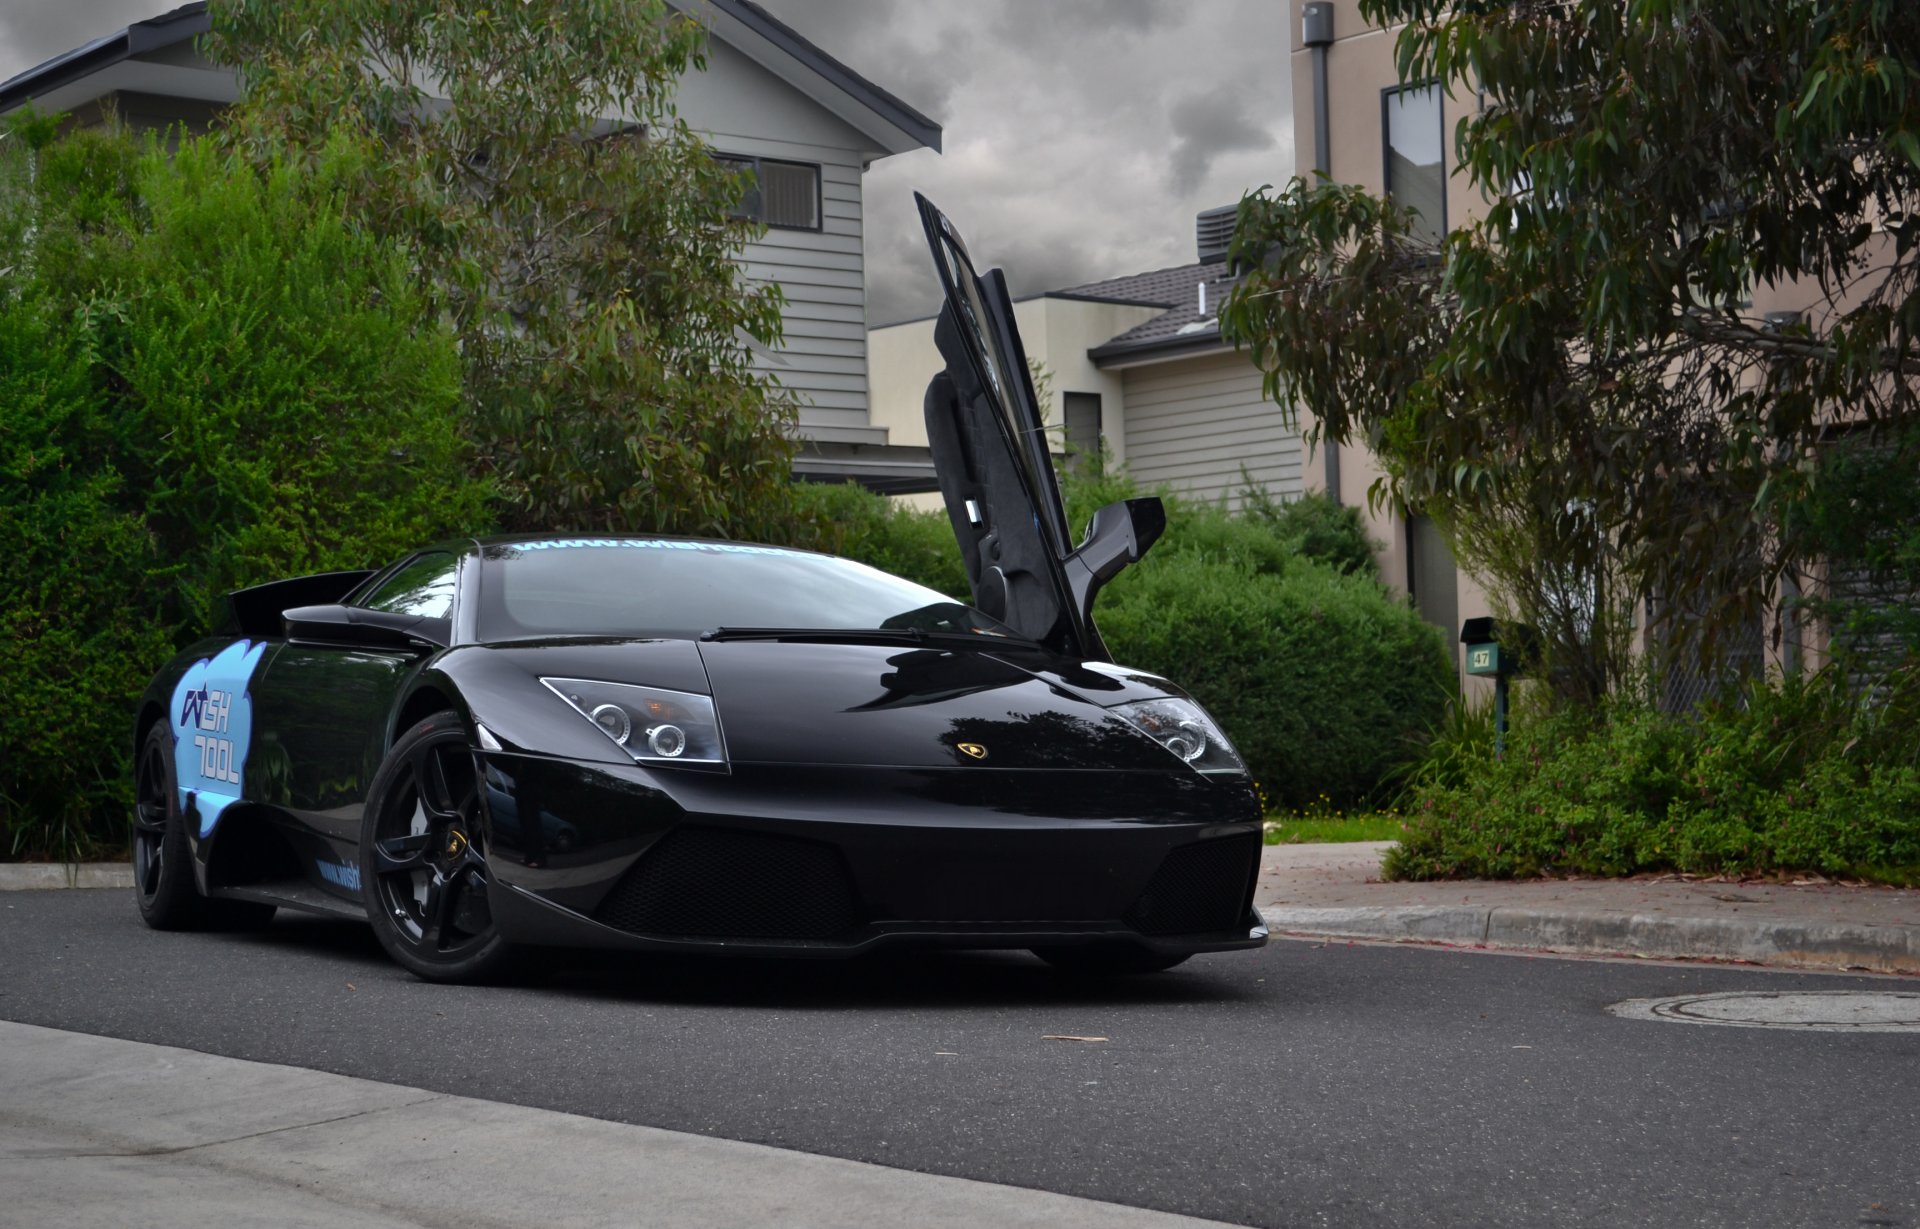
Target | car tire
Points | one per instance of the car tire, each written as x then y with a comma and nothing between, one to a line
163,882
423,874
1108,960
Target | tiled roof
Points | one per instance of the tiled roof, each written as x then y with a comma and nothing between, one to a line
1167,287
1176,289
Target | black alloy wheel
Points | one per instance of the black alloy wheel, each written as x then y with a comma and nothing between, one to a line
163,882
423,873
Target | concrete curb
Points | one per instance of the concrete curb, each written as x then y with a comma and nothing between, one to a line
33,876
1788,944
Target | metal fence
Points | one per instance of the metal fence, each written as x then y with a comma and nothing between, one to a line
1690,681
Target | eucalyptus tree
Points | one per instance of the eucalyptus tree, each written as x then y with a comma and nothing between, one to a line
580,238
1576,382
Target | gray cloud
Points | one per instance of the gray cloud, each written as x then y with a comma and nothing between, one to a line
1081,135
1208,125
1056,20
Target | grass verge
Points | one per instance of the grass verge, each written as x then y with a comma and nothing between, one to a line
1329,829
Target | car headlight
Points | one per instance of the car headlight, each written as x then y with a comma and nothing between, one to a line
1183,728
654,725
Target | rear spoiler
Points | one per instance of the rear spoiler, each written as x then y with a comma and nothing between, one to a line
255,613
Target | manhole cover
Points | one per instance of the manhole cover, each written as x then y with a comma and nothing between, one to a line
1829,1011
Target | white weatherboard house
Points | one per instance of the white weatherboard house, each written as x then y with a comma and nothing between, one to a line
808,124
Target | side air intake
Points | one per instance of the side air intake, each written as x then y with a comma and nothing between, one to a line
1203,888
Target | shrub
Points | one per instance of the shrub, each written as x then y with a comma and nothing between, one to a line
76,644
1317,527
1194,527
219,381
909,542
1796,776
1323,680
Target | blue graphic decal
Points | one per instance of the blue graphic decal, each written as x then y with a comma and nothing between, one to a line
341,874
212,726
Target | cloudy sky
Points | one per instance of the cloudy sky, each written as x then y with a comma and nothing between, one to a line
1081,135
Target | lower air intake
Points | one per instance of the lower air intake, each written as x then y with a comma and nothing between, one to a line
1199,889
715,883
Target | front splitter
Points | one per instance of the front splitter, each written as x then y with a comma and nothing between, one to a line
526,918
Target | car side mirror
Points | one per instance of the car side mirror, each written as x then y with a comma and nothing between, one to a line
1118,534
336,624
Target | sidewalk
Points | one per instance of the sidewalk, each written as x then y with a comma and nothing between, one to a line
1335,890
98,1131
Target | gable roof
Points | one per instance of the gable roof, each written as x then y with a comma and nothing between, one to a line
779,49
877,114
175,26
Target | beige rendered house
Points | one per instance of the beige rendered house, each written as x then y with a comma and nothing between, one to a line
1356,122
809,125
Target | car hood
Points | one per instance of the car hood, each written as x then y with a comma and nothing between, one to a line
801,702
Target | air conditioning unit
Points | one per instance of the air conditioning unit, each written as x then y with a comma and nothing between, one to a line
1214,230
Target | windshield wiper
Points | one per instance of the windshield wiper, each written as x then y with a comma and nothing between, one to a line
863,635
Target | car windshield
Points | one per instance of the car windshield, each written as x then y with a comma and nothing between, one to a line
672,587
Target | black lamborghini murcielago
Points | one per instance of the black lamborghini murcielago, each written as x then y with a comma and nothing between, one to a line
672,745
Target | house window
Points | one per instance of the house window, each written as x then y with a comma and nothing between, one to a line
1082,412
1416,162
785,194
1433,582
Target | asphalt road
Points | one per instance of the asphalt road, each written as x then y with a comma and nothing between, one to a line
1303,1085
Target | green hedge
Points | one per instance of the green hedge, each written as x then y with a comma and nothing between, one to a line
1801,776
1324,681
1327,684
208,379
905,541
1317,527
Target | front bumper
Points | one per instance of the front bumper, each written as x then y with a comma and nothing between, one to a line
839,861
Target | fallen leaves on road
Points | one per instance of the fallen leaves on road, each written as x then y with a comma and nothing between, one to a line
1068,1037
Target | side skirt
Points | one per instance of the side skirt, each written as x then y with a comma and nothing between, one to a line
293,894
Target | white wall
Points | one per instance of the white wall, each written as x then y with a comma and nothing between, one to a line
1194,423
742,109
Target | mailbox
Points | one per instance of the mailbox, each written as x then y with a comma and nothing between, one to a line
1500,650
